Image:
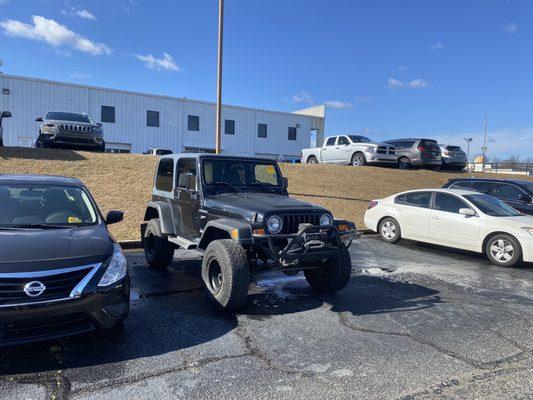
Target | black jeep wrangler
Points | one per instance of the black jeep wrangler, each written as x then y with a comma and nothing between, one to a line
237,210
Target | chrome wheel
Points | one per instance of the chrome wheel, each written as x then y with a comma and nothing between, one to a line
502,250
404,163
358,160
388,230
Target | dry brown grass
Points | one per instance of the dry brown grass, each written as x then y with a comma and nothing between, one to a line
123,181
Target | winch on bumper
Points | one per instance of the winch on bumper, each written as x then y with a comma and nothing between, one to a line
310,243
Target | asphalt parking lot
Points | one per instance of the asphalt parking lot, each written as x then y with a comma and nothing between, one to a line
415,322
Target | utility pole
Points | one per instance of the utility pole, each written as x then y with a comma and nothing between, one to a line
468,141
219,76
484,148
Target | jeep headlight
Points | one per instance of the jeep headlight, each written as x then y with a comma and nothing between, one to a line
274,224
117,267
370,149
528,229
325,219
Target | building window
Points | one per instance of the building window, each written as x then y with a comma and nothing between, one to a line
165,175
107,114
229,127
152,118
261,130
292,133
193,123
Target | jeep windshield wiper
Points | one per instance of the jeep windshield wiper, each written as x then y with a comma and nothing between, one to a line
229,185
264,186
38,226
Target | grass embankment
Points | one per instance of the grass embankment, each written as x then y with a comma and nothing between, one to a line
124,181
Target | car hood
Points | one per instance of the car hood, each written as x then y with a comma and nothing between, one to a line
32,250
518,222
247,205
59,122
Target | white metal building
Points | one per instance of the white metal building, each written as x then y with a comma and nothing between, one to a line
133,122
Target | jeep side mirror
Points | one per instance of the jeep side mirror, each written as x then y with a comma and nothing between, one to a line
113,217
468,212
6,114
286,182
39,119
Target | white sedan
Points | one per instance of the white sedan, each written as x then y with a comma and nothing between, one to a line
455,218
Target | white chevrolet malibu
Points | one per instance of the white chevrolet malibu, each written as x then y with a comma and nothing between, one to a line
455,218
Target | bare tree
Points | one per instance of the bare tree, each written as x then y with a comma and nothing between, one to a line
514,160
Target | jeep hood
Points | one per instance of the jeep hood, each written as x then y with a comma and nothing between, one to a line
29,250
247,205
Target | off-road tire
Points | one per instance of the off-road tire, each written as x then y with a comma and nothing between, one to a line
389,230
499,247
312,160
358,160
332,276
157,249
226,274
404,163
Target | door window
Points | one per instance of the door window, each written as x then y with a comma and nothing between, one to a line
331,141
187,174
482,187
449,203
165,175
508,192
461,185
415,199
343,140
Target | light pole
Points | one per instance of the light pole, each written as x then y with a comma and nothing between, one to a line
468,141
484,148
219,76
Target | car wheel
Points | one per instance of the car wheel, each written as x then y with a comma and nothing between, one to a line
157,250
503,250
389,230
312,160
226,274
332,276
358,160
404,163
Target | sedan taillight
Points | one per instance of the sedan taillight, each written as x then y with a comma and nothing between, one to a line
372,204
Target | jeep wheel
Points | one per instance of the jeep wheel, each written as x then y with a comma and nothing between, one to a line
358,160
226,274
157,250
332,276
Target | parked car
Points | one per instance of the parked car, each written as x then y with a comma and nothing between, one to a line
455,218
61,272
453,157
517,193
350,149
236,210
417,153
65,129
4,114
154,151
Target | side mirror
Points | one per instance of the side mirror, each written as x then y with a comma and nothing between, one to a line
39,119
6,114
113,217
526,198
99,124
467,212
286,182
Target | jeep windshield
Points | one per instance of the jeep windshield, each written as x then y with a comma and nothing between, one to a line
241,175
64,116
33,206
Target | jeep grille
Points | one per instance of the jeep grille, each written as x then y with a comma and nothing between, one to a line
75,128
291,221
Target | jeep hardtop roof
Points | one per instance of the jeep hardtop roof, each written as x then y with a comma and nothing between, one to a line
210,155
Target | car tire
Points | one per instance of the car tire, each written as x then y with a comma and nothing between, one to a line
358,160
332,276
404,163
226,274
312,160
157,249
503,250
389,230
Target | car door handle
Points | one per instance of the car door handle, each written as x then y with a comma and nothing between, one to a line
435,218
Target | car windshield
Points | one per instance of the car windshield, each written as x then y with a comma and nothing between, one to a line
44,206
236,174
492,206
360,139
64,116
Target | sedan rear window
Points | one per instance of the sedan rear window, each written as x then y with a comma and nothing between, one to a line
415,199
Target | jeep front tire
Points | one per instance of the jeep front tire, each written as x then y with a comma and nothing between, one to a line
332,276
157,249
226,274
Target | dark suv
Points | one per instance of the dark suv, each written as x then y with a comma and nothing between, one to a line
61,272
417,153
516,193
237,211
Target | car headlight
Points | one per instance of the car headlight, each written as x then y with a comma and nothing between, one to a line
117,267
326,219
274,224
370,149
528,229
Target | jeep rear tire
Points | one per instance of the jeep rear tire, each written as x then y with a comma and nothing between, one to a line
226,274
333,276
157,249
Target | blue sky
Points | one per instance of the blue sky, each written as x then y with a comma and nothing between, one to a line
388,68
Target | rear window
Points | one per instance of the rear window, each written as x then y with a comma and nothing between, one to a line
165,175
64,116
452,148
429,143
415,199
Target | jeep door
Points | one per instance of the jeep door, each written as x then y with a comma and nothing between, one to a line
186,199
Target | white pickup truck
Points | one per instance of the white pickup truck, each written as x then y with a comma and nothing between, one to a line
350,149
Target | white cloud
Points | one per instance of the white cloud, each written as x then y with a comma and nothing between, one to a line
337,104
302,97
86,14
362,99
511,27
53,33
80,75
436,46
166,63
418,83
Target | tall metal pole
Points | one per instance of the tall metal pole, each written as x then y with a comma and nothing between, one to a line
219,76
468,140
484,148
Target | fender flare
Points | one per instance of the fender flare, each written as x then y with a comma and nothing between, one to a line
161,210
238,231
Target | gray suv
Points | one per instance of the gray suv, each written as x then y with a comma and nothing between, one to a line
417,152
64,129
